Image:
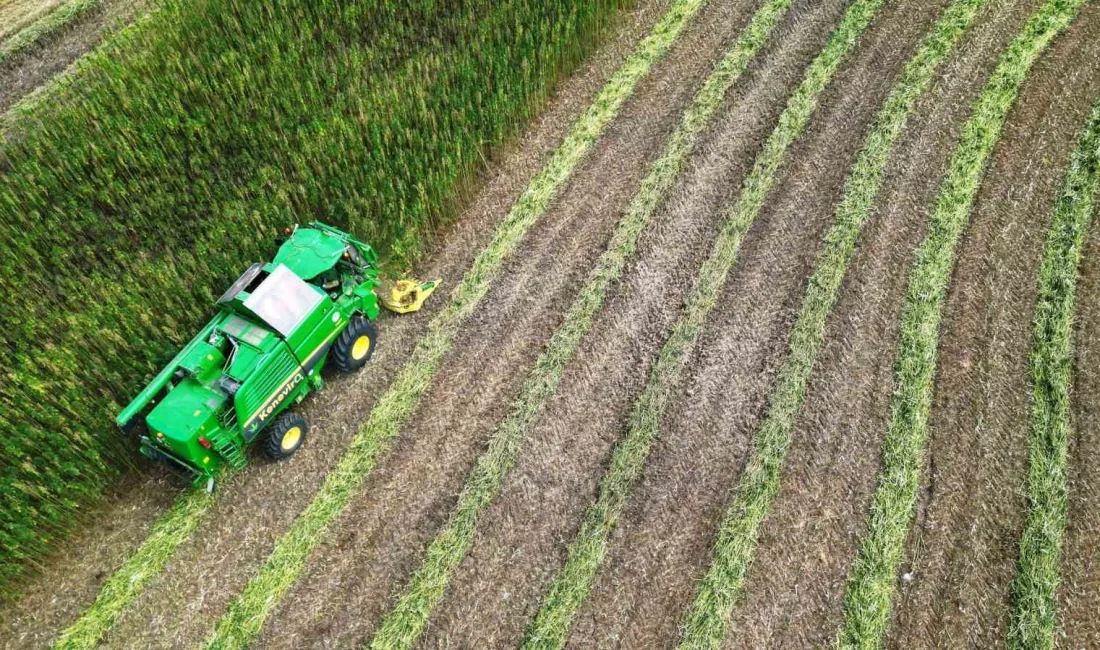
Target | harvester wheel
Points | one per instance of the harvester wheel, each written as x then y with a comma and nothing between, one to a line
355,345
285,436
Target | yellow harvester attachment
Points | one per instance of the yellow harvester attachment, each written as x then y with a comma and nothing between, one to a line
409,295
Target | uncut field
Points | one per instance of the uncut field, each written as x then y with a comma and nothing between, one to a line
775,326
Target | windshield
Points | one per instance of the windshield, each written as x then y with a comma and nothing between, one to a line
283,300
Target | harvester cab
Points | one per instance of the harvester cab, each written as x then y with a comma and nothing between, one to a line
274,330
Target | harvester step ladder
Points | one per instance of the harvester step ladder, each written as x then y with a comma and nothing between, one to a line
229,451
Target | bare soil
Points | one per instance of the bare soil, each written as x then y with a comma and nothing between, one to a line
664,545
1079,593
796,582
379,543
962,554
21,74
526,533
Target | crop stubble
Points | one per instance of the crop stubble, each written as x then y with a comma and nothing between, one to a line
529,526
1079,590
667,536
806,545
962,551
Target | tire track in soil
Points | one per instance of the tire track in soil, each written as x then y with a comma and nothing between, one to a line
25,72
665,541
348,587
257,506
1079,591
961,554
797,580
526,532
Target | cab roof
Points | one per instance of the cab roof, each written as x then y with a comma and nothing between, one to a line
310,252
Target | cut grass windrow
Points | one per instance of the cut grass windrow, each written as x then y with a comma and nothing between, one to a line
1034,598
707,620
872,582
404,624
44,26
247,614
572,585
141,568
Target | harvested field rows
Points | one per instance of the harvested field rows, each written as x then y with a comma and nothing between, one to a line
735,354
871,586
402,627
1034,611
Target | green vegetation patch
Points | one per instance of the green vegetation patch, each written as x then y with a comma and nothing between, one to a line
248,612
706,622
871,585
1034,597
165,163
146,564
45,26
404,624
573,583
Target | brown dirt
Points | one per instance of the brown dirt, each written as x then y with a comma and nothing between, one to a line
664,544
25,72
808,541
379,543
1080,589
527,531
962,553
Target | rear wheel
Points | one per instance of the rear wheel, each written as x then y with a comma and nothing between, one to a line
355,345
285,436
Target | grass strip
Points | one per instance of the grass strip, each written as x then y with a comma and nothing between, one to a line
573,583
44,26
706,622
172,529
1034,601
872,581
246,615
404,624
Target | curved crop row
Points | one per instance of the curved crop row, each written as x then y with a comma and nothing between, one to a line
1034,609
248,612
573,583
871,585
403,625
706,621
44,26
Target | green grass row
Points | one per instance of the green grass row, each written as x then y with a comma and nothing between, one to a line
1034,591
162,165
402,626
49,24
706,622
137,571
248,612
873,578
572,585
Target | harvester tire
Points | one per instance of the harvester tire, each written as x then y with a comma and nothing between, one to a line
285,436
355,345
